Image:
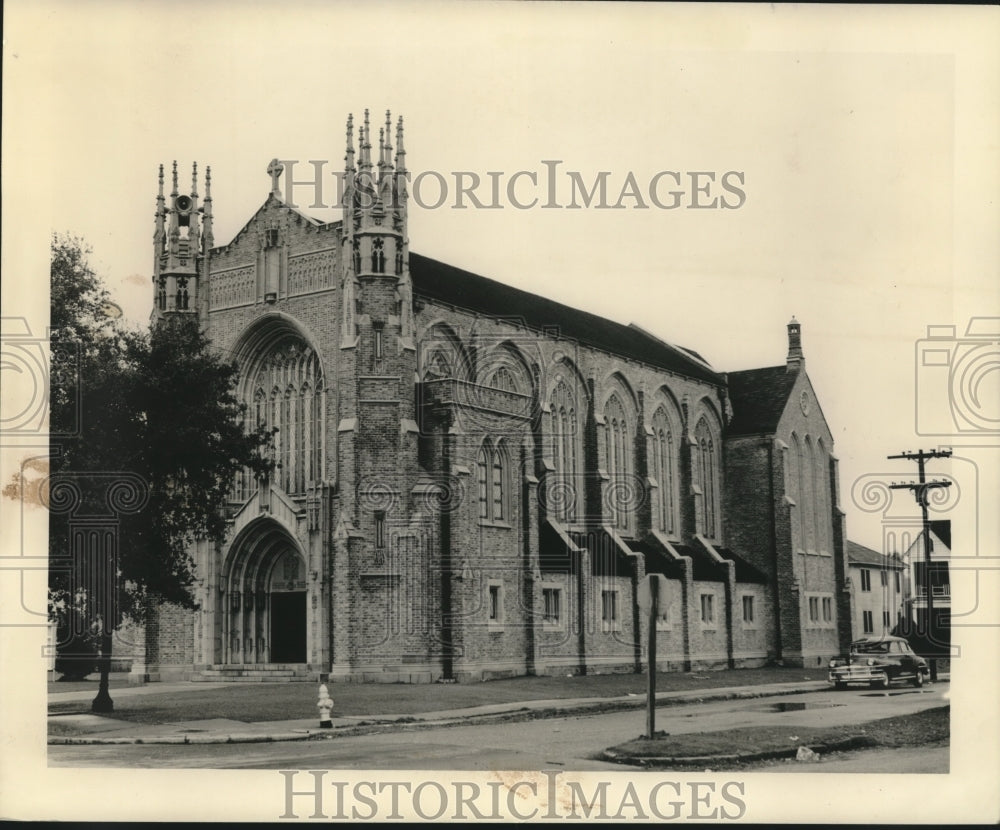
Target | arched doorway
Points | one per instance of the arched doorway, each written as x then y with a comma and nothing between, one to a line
265,598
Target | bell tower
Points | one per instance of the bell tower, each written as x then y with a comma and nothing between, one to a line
377,341
181,241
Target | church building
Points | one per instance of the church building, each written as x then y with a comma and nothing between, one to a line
472,481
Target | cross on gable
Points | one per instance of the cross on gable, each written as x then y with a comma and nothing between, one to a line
274,170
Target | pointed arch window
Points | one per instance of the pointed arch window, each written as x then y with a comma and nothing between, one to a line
566,493
503,379
665,466
378,256
620,463
356,248
491,475
806,489
824,528
794,491
708,479
291,370
301,442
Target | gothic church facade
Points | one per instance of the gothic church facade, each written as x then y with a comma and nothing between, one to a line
473,481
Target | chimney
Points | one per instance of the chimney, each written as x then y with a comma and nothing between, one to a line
795,360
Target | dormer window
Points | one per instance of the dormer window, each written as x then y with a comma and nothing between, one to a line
271,238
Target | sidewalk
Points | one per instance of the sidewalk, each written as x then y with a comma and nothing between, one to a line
104,730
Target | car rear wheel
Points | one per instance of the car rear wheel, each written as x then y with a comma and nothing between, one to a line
881,684
918,679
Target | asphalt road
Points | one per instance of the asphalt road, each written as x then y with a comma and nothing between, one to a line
571,743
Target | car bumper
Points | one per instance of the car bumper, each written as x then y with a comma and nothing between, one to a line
857,674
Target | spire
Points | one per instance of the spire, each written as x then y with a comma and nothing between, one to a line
381,151
349,158
159,231
796,359
363,139
207,236
194,179
400,152
387,143
174,224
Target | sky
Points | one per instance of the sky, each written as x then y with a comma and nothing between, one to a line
864,142
857,205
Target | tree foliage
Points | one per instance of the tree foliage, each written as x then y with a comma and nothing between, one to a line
147,430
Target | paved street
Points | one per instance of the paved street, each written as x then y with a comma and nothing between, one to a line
568,743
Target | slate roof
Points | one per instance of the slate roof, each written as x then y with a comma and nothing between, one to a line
758,397
860,555
439,281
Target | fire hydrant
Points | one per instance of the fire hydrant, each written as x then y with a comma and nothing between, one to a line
325,705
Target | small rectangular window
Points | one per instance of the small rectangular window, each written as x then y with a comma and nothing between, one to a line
380,529
885,578
898,587
748,609
827,609
866,579
378,344
609,607
496,609
551,602
886,620
707,608
868,622
814,609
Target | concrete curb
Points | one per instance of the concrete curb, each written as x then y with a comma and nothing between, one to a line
854,742
518,711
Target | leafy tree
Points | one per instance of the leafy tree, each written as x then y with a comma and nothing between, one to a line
150,424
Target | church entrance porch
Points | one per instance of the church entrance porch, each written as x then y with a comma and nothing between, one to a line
265,601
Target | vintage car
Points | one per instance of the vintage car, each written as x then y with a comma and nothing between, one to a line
877,662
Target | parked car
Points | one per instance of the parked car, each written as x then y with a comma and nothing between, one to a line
877,662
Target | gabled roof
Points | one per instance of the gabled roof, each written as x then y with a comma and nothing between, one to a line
758,397
860,555
438,281
942,529
268,202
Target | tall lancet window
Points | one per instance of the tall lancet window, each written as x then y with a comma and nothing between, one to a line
564,497
824,519
283,390
707,470
491,474
665,464
378,256
793,490
808,492
619,458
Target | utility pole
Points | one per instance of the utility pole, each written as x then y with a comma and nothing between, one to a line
920,489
